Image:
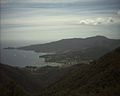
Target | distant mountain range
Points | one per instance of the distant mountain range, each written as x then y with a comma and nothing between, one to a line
67,45
76,50
99,78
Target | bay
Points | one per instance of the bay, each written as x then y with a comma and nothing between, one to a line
21,58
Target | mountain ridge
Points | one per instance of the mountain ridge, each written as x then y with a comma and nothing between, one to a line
72,44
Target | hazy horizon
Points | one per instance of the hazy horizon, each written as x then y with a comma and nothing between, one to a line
51,20
14,43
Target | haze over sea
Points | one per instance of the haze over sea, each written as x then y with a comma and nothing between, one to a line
21,58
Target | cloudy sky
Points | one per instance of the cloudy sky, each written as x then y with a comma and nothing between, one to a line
48,20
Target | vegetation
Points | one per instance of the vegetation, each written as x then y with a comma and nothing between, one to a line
99,78
11,88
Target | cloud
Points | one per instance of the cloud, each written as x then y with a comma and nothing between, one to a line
51,1
97,21
118,12
37,1
5,1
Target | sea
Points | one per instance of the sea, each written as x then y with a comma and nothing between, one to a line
22,58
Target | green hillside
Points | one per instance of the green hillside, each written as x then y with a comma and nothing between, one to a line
100,78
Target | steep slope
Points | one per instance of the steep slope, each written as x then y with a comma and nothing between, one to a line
29,82
24,82
12,81
66,45
100,78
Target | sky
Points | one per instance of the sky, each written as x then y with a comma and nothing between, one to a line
50,20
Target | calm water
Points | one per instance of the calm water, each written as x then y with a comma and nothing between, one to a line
22,58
